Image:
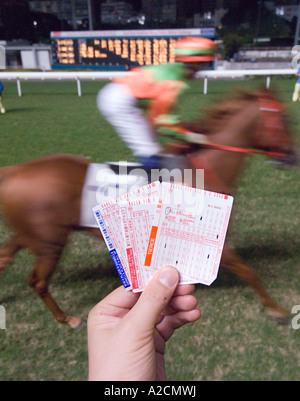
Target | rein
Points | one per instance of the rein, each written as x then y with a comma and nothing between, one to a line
244,150
201,139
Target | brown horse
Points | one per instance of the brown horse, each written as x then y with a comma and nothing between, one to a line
41,199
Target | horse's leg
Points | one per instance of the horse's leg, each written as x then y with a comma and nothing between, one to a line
8,252
39,280
235,265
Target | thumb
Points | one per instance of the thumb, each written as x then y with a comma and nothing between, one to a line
155,297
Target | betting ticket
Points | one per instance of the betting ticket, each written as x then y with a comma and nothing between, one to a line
137,218
165,224
109,216
188,232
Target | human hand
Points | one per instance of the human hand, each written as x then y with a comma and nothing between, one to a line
127,331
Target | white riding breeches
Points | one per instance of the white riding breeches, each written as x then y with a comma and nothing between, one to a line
120,109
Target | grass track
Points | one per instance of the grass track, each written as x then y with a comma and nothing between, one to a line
233,340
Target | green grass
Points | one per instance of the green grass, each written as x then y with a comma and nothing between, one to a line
234,340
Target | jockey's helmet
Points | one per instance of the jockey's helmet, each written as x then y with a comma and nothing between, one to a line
194,49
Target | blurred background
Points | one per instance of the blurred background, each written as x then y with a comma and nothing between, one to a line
247,30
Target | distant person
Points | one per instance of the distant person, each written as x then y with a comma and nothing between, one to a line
296,94
2,109
159,85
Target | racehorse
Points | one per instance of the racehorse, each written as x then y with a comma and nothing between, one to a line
41,199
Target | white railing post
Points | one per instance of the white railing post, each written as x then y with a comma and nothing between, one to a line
78,86
205,86
19,87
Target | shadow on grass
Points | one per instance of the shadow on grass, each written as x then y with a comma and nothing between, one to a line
277,249
257,256
21,110
91,274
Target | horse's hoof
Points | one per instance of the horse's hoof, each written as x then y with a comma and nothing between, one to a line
75,322
281,317
81,325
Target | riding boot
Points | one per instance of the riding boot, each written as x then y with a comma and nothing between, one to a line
165,167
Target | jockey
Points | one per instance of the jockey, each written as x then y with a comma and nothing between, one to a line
160,85
2,109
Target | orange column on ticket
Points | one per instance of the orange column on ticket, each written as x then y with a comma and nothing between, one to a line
151,245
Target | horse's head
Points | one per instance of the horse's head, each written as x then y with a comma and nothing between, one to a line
259,117
273,134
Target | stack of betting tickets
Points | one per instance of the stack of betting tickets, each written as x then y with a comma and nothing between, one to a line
165,224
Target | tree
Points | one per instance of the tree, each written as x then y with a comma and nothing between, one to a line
15,21
241,18
43,23
250,18
232,44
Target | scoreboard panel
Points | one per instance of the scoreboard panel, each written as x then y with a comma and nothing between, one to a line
119,50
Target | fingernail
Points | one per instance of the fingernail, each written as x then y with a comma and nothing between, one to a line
169,276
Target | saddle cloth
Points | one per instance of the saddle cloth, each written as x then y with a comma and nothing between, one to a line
105,181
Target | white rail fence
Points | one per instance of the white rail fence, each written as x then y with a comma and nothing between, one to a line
78,77
232,74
